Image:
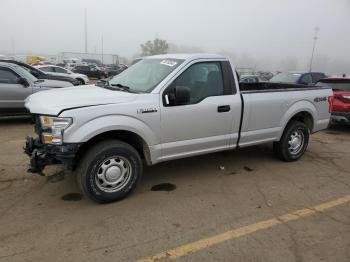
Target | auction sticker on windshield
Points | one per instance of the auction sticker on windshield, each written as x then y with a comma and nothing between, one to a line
168,63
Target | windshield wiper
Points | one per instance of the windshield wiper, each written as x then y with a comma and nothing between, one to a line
123,88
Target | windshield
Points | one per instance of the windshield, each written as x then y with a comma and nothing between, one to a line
342,86
24,73
285,78
145,75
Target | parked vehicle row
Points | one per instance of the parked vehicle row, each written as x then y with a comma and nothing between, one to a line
159,110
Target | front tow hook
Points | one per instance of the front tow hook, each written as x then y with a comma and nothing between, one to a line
36,165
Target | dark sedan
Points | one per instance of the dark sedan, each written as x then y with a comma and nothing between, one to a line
300,78
91,71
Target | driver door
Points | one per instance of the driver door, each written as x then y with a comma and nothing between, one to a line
208,121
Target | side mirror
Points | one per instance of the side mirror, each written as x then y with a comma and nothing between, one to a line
179,95
22,81
101,83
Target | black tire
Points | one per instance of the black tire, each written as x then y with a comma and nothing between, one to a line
81,81
89,170
288,150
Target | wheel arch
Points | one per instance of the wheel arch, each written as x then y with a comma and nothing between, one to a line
304,112
129,137
120,127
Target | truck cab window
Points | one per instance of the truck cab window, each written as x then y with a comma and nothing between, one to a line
203,80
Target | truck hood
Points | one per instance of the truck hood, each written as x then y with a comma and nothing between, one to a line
52,102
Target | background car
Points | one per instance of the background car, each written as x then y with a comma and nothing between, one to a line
249,79
340,106
16,84
92,61
42,75
113,69
57,70
301,78
91,71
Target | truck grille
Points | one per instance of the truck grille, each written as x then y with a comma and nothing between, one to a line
37,126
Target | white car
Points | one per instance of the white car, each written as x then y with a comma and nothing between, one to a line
57,70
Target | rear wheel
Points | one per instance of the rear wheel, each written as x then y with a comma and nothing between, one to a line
293,143
109,171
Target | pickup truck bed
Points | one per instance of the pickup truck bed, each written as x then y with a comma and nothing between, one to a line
267,107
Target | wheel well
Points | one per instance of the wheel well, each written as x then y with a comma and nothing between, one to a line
80,79
126,136
304,117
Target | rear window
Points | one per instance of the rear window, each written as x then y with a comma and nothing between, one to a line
336,85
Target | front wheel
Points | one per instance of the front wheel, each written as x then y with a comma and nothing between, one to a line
81,81
293,143
109,171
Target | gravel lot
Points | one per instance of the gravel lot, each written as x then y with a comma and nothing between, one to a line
46,219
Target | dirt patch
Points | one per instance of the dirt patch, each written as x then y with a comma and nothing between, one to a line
164,187
72,197
246,168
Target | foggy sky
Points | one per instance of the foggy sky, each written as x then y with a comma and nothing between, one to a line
272,30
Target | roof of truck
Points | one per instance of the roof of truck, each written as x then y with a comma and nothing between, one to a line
187,56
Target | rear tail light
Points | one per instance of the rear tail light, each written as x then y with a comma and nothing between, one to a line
330,103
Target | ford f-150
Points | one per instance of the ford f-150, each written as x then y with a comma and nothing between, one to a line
162,108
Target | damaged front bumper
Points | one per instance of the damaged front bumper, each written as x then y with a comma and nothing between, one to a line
42,154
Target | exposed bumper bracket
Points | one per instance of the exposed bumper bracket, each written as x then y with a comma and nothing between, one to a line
42,155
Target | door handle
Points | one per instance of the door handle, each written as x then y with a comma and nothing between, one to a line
224,108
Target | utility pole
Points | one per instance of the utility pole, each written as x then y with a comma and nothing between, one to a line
313,47
85,26
102,47
13,46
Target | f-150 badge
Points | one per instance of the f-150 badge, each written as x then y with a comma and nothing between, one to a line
147,110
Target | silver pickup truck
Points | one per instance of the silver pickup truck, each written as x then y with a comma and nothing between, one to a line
162,108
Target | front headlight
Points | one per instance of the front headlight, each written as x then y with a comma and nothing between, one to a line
53,128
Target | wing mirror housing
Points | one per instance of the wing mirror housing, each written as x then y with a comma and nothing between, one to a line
101,83
22,81
179,95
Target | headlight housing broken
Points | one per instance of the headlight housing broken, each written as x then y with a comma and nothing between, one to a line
53,129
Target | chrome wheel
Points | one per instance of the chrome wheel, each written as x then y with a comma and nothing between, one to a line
296,142
113,174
